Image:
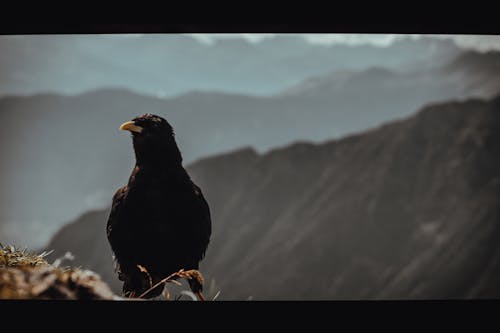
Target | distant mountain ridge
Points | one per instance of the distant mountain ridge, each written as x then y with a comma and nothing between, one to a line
407,210
471,71
66,152
167,65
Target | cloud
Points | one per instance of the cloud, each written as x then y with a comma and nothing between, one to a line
479,42
326,39
209,38
319,38
121,36
352,39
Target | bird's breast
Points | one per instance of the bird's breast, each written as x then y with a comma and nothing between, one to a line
159,202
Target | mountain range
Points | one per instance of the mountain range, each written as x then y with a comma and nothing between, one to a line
406,210
63,155
172,64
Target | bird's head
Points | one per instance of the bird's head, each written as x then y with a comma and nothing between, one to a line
148,126
153,138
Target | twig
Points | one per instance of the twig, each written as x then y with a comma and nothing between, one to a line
191,274
159,283
144,270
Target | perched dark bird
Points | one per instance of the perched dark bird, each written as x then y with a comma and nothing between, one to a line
159,222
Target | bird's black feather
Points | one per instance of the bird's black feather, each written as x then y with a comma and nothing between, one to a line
160,220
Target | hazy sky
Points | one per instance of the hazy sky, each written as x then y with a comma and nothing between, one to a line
481,42
72,64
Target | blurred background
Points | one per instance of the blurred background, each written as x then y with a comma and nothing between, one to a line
336,166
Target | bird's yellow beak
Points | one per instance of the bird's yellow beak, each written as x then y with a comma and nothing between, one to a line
131,126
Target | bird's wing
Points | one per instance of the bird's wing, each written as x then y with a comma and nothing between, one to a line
206,221
116,211
115,237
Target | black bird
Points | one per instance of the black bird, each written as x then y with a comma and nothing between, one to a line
159,222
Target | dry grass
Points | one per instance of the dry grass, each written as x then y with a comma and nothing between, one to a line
15,257
26,275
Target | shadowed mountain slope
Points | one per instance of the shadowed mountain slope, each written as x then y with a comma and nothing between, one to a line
410,209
